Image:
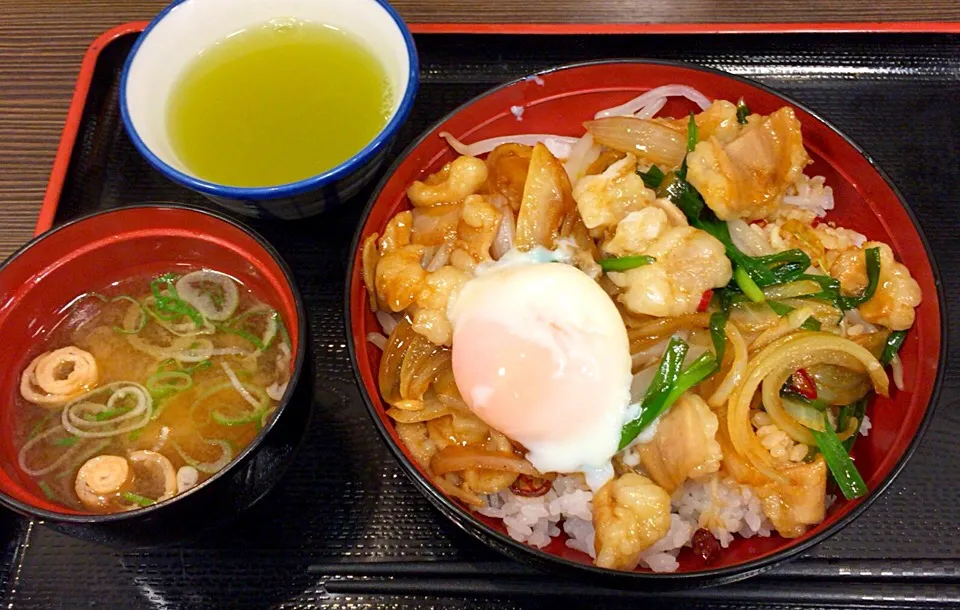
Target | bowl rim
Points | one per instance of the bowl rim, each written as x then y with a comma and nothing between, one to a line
289,189
242,456
525,553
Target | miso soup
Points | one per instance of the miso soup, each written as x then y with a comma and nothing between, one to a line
147,388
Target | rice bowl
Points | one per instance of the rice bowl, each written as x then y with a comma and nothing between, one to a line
560,512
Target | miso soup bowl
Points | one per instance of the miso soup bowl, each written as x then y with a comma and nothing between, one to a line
185,28
46,274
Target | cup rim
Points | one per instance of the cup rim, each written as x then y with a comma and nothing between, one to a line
288,189
299,365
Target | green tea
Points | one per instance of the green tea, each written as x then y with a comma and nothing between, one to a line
277,103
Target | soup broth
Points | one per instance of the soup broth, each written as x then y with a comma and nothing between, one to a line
155,382
277,103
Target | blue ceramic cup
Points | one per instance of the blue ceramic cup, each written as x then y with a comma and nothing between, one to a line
185,28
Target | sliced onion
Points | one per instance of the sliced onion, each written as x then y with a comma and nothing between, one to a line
73,421
791,290
651,96
648,140
559,146
650,110
583,154
208,467
737,368
896,371
441,257
188,290
276,390
506,232
747,240
785,325
641,383
772,366
804,414
753,317
455,458
39,472
387,322
256,404
839,385
465,496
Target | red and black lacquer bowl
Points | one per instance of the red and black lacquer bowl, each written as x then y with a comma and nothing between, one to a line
557,103
97,250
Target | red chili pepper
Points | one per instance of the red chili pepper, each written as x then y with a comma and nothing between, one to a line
705,301
803,383
531,487
760,222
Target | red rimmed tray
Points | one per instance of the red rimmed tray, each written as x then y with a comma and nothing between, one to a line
351,530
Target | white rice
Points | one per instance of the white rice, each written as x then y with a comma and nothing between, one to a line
810,194
723,507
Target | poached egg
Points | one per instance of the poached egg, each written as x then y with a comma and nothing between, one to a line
540,353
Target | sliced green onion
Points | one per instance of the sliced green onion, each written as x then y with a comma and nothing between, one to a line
796,255
255,340
748,286
652,178
109,414
166,365
782,309
143,315
718,333
779,308
873,280
624,263
856,411
693,134
43,424
838,460
48,491
225,420
67,441
177,381
892,346
282,330
258,393
667,386
701,368
743,111
137,499
692,137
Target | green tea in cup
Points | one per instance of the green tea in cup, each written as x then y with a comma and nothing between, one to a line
277,103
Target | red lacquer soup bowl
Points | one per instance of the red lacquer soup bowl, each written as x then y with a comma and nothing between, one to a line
557,102
38,281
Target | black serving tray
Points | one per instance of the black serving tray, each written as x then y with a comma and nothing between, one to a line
345,529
